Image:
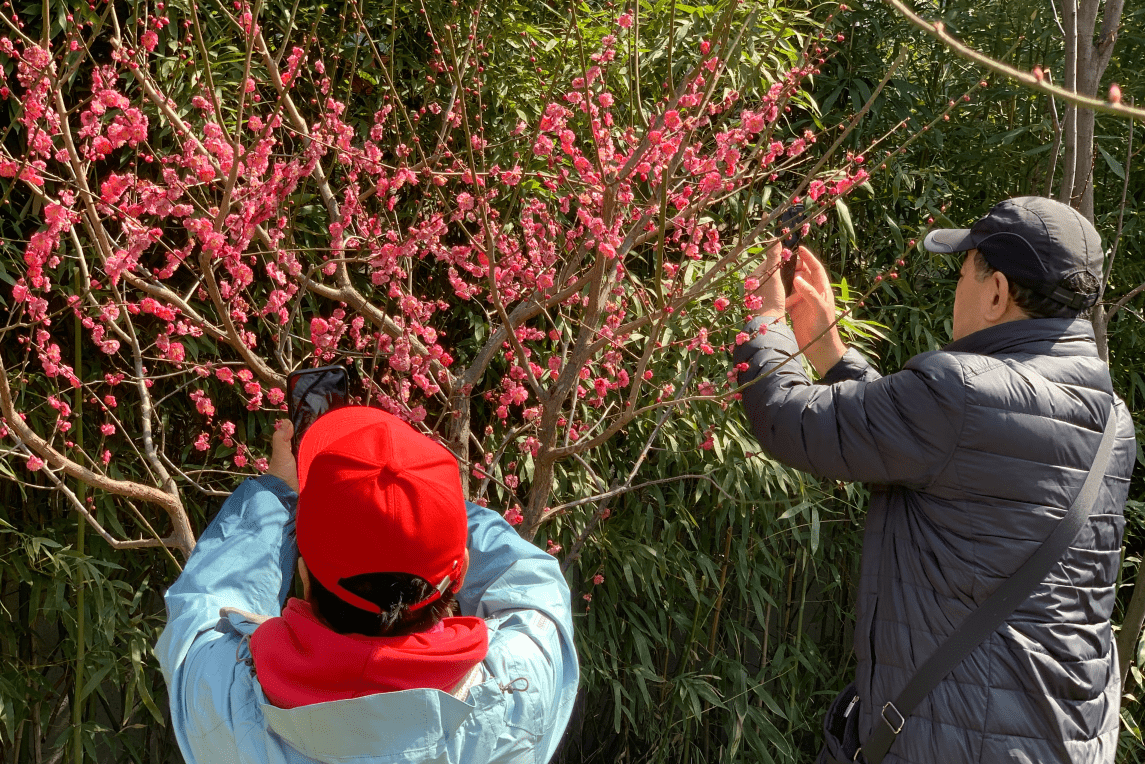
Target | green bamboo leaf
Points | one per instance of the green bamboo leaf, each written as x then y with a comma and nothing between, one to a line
769,701
128,703
814,529
642,684
94,679
797,509
618,704
708,693
896,232
140,682
690,580
1114,166
8,717
843,212
693,700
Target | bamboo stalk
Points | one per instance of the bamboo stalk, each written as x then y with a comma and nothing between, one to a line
720,592
81,527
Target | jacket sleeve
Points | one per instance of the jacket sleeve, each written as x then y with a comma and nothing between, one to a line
521,593
898,429
244,559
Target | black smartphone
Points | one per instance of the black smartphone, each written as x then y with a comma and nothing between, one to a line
791,219
313,392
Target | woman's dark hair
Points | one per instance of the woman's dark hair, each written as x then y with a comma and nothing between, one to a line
1037,305
393,593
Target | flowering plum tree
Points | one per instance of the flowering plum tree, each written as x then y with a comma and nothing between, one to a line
522,294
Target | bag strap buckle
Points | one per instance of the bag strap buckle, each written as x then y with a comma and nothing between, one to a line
895,728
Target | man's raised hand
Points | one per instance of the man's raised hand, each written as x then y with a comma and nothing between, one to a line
770,289
811,306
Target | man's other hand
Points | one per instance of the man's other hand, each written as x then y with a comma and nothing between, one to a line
282,463
770,289
812,310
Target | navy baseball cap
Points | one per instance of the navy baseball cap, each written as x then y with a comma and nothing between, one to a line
1036,242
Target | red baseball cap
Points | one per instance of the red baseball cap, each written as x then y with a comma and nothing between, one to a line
377,496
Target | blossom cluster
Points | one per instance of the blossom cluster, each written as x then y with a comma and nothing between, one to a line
517,303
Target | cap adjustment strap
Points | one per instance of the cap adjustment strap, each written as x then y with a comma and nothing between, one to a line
434,597
438,590
1067,297
1070,299
350,598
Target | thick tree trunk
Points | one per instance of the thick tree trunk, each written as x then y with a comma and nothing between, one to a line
1100,322
458,435
1086,58
1069,80
1131,626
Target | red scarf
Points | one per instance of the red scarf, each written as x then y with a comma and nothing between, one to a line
301,661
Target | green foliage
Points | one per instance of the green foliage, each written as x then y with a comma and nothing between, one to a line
123,692
722,622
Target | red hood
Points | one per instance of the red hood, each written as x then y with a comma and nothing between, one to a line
301,661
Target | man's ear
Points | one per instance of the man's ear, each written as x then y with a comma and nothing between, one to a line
999,300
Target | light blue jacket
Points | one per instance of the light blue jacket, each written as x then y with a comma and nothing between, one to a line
244,562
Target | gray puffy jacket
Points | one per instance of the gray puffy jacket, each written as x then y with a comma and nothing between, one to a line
973,454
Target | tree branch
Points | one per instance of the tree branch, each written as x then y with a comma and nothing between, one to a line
1131,624
629,488
582,537
1121,303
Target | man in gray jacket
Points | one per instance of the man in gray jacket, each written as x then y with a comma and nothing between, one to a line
973,453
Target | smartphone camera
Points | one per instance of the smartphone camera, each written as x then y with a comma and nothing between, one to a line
313,392
792,219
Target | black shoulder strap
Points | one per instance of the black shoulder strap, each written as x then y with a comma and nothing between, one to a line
997,608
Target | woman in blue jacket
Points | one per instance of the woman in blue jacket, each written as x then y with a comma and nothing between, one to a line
429,630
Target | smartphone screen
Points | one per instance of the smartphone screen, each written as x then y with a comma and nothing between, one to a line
313,392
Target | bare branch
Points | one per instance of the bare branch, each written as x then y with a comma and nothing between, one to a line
611,494
1047,189
1125,300
147,411
582,537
